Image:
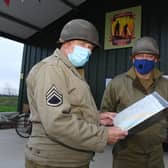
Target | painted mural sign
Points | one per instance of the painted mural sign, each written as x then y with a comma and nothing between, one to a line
122,27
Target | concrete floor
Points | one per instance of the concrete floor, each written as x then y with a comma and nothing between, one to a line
11,149
12,152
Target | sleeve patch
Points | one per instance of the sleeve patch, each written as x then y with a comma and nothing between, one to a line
53,97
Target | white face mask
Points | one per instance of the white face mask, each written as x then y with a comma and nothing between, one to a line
80,56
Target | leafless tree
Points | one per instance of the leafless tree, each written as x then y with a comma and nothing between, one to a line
9,90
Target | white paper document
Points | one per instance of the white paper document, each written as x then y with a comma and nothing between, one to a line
140,111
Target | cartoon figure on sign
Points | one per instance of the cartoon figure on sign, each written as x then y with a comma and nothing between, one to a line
122,29
117,29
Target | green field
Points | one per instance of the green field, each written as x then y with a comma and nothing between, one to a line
8,103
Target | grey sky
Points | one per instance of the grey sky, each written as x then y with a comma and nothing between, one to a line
10,63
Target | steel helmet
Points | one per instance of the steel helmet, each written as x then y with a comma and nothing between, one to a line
146,45
79,29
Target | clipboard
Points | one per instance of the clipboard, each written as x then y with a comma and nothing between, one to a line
140,111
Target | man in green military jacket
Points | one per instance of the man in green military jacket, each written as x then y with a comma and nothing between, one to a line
66,123
144,148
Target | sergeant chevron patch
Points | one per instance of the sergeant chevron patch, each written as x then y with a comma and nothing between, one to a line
53,97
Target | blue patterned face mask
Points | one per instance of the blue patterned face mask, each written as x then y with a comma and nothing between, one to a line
144,66
79,56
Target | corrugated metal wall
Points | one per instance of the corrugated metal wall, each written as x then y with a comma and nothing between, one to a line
31,55
108,63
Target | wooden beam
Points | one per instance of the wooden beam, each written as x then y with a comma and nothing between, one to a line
21,22
70,4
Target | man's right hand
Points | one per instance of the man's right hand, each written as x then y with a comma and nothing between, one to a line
115,134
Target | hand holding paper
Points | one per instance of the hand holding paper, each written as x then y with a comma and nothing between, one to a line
106,118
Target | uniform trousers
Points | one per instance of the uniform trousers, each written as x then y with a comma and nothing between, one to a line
31,164
129,159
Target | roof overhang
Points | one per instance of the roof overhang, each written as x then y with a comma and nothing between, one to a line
20,20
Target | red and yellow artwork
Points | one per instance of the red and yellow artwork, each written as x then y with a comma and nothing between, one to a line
122,28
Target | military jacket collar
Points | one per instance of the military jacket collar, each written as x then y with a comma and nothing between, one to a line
66,61
156,73
136,82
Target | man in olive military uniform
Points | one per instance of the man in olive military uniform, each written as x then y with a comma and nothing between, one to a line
144,148
66,124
